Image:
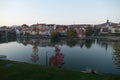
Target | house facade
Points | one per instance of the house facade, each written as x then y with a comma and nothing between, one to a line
50,27
109,27
80,29
62,29
43,29
115,29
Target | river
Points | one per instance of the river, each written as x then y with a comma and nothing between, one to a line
67,53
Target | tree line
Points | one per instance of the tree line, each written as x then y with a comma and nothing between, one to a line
71,33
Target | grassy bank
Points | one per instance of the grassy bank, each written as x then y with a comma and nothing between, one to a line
11,70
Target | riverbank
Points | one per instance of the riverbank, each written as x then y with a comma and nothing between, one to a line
11,70
113,38
106,38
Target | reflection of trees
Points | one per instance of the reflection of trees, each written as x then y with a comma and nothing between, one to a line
53,42
105,43
37,41
71,42
0,36
57,59
34,56
116,54
88,43
6,40
81,43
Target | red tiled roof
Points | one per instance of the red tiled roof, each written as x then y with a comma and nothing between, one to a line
61,27
25,25
50,24
41,24
79,25
104,24
116,26
38,24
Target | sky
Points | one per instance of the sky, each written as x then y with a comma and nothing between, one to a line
18,12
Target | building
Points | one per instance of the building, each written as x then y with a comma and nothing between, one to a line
62,29
109,27
80,29
115,28
50,27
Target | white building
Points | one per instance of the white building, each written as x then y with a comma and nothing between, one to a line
109,27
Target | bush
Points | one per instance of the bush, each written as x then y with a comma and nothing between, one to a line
71,33
89,31
54,35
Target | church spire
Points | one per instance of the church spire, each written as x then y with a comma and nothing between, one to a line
107,21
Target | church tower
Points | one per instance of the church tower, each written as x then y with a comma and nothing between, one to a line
107,24
107,21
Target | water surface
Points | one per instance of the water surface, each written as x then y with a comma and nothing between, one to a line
73,54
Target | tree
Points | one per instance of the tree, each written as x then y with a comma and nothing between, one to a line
116,55
71,33
89,31
117,30
54,35
116,47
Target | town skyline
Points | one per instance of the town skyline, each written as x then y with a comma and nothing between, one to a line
15,25
18,12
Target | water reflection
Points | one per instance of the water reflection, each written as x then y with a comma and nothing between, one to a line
6,40
73,52
71,42
105,44
88,43
47,42
58,58
81,43
51,43
34,56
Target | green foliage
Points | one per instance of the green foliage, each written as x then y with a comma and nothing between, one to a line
71,33
71,42
89,31
53,42
27,34
116,47
54,35
88,43
116,54
117,30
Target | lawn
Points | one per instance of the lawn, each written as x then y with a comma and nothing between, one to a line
12,70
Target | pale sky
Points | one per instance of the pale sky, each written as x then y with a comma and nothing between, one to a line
18,12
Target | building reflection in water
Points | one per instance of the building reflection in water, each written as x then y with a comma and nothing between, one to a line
57,59
70,43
